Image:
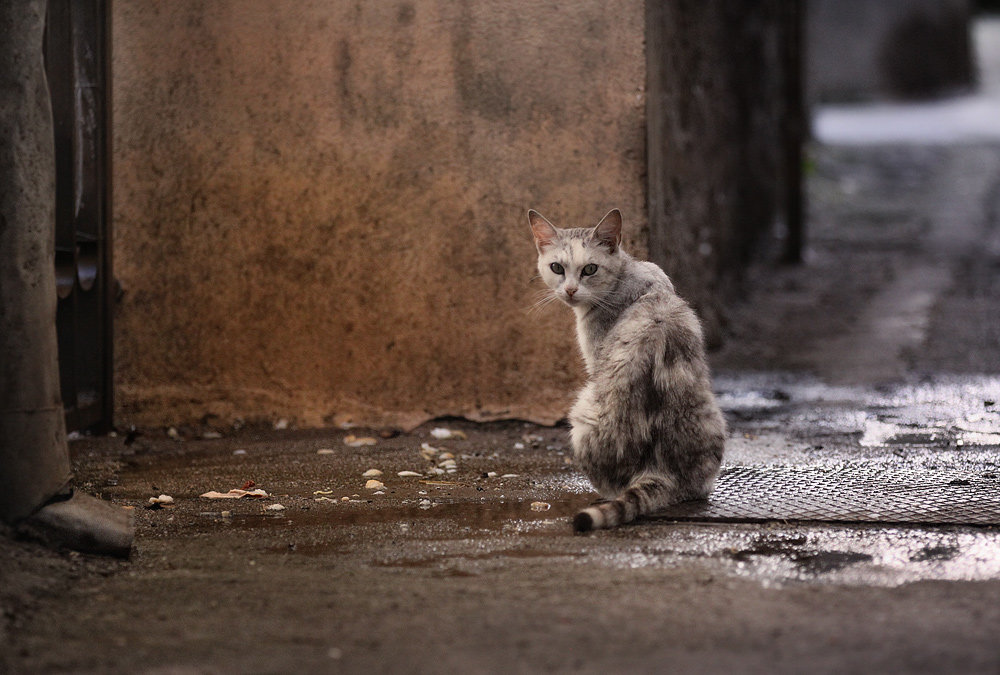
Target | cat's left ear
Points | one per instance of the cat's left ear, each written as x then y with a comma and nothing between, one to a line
608,232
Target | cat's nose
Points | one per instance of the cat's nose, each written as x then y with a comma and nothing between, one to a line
571,291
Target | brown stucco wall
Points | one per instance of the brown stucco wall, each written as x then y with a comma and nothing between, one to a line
319,206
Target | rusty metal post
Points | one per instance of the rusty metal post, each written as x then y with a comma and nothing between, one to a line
34,459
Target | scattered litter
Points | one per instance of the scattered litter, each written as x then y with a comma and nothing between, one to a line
322,492
409,474
247,485
379,492
492,474
448,464
446,455
439,482
173,434
436,471
324,499
428,452
374,485
274,507
226,514
425,503
540,506
372,473
443,434
241,451
281,424
422,492
160,502
532,438
73,436
509,475
235,494
211,435
345,499
389,433
358,441
324,451
519,446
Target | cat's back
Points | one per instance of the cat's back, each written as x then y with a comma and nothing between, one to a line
657,326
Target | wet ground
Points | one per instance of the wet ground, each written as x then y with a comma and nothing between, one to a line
880,357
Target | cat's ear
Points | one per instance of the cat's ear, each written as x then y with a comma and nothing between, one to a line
608,232
545,233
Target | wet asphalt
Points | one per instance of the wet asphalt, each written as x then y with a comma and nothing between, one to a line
879,356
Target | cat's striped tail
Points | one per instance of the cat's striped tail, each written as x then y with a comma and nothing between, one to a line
644,495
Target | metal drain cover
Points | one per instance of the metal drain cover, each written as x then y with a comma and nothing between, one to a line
853,493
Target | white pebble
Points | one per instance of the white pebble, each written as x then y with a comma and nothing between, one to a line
509,475
324,451
281,424
540,506
409,474
519,446
374,485
491,474
274,507
425,503
372,473
241,451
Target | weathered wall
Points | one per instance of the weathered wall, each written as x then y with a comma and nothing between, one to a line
319,206
716,107
859,49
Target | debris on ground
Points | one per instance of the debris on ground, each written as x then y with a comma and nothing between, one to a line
372,473
408,474
281,424
429,452
324,451
163,501
274,507
374,485
358,441
235,493
540,506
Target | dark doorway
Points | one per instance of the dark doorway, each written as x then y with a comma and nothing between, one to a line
77,63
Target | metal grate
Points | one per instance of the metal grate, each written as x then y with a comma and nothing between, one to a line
853,493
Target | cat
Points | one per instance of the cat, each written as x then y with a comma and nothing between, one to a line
645,428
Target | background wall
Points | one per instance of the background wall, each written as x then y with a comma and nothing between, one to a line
319,206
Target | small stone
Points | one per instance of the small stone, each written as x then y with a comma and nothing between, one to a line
446,455
519,446
211,435
409,474
345,499
172,433
161,500
425,503
428,452
434,471
448,464
540,506
509,475
443,434
274,507
281,424
324,451
374,485
241,451
372,473
378,492
491,474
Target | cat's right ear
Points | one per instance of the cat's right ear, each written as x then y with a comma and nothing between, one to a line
545,233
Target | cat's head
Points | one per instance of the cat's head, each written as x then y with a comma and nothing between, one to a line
579,265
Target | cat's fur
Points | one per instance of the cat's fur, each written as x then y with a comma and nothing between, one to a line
646,428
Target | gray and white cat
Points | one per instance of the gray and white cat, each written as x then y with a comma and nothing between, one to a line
646,429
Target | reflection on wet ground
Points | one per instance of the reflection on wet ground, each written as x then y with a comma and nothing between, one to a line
909,442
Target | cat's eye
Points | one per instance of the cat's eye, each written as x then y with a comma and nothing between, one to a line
588,270
557,268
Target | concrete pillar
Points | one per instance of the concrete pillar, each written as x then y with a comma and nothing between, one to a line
34,459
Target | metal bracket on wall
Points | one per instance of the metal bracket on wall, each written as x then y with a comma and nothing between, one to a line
77,64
